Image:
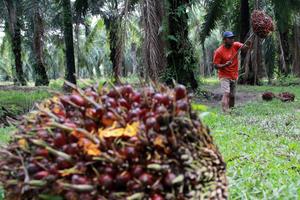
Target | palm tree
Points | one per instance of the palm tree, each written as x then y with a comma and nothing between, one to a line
41,77
14,14
181,61
68,36
296,34
153,47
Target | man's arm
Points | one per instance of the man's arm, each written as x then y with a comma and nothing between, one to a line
220,66
217,61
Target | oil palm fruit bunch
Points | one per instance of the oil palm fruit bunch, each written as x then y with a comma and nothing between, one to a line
262,23
116,143
268,96
286,96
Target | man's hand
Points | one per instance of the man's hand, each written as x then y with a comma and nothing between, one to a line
228,63
220,66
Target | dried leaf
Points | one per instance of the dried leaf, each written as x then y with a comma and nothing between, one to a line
159,141
89,147
131,129
23,144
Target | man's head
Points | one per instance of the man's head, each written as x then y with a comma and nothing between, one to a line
228,38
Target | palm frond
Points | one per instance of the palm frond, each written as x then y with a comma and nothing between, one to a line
215,10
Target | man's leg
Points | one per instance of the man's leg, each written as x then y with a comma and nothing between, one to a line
225,86
225,102
232,93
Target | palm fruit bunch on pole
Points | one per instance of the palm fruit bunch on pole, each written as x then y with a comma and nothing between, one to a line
262,24
113,143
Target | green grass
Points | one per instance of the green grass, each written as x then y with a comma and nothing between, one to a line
260,142
19,102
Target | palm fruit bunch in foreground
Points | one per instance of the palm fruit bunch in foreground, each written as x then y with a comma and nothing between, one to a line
262,23
115,143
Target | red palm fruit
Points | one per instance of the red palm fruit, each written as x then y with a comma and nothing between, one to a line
43,134
161,110
108,119
136,97
78,100
150,122
33,168
65,100
53,169
182,105
126,90
137,170
92,94
134,113
71,195
146,179
165,100
71,149
59,140
106,181
113,93
129,152
158,97
157,197
124,103
91,113
62,163
41,175
42,152
59,111
111,102
90,125
134,186
80,180
180,92
168,179
110,170
123,178
86,196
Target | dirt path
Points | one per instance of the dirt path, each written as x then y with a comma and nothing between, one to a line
213,96
21,88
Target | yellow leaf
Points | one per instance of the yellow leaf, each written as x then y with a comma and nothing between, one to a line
131,129
23,144
159,141
89,147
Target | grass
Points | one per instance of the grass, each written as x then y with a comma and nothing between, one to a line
19,102
260,142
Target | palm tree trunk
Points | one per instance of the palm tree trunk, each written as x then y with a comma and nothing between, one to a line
13,9
133,52
116,43
41,77
181,60
284,40
68,36
245,20
153,47
296,61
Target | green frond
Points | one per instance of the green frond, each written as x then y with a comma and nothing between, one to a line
215,10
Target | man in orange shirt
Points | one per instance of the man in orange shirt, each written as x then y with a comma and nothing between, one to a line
226,63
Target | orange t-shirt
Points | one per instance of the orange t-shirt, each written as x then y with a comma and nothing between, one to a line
222,55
